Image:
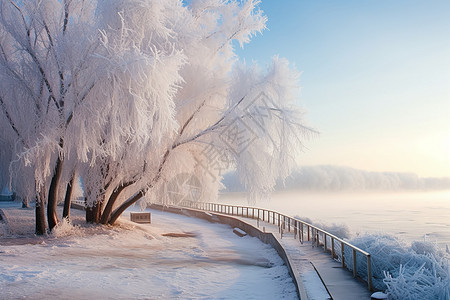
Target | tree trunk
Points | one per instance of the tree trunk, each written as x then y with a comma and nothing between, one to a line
116,214
112,199
52,215
40,215
25,202
68,197
93,213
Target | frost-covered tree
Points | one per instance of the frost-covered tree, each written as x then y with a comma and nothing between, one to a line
76,82
217,99
129,94
46,73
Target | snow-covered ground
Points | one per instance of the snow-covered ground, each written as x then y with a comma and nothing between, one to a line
132,261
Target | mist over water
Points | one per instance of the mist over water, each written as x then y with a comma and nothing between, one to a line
339,179
408,215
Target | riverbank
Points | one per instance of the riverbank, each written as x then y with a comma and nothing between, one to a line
136,261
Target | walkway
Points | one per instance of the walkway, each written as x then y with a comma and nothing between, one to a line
318,276
339,282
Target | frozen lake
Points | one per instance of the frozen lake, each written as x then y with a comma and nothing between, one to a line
410,216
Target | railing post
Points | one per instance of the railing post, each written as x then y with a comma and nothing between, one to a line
342,254
307,228
369,273
354,262
333,254
247,211
302,238
289,224
295,229
324,242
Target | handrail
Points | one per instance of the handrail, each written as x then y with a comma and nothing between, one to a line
276,218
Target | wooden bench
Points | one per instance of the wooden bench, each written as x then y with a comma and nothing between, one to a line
140,217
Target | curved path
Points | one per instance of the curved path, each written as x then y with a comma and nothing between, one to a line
317,275
152,261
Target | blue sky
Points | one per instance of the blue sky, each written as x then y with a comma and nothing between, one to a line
375,79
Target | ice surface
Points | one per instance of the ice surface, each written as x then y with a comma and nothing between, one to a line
134,261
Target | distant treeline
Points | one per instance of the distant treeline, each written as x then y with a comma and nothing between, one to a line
336,178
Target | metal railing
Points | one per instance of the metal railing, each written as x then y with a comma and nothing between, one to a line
79,201
338,247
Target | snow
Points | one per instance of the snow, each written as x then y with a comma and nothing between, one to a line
134,261
379,295
239,232
314,286
315,290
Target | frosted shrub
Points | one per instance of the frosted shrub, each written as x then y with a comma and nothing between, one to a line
418,271
421,283
64,228
340,230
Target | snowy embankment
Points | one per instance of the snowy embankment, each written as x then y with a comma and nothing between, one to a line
417,271
132,261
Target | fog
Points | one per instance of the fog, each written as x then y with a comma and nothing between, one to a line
336,178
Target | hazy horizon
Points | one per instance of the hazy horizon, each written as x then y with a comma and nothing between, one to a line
330,178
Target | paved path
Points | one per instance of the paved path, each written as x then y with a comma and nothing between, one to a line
339,282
